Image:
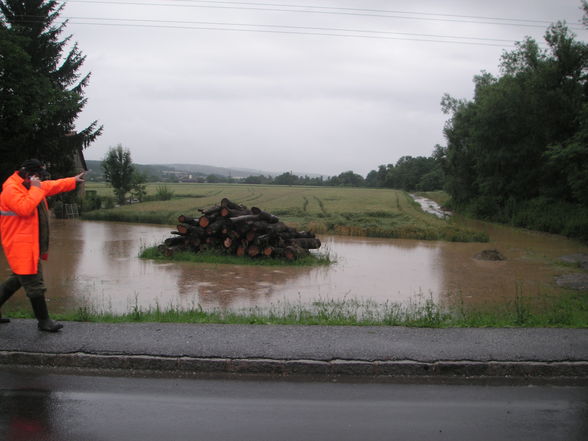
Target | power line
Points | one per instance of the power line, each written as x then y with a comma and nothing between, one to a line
276,29
311,28
370,10
332,11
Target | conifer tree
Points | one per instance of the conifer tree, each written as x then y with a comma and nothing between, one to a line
41,88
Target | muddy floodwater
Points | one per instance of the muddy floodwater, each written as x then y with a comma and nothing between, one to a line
96,264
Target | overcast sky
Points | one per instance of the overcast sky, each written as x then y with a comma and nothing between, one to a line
309,86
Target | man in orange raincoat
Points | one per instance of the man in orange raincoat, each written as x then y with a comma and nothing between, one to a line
24,227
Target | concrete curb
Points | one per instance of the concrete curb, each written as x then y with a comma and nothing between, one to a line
377,353
180,366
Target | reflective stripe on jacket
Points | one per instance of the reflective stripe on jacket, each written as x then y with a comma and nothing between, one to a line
19,220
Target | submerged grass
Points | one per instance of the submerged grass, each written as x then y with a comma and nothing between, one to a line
569,311
218,257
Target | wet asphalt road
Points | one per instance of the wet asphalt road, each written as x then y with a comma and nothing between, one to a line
48,406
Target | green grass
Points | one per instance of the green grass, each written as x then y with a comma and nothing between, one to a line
540,214
324,210
568,311
218,257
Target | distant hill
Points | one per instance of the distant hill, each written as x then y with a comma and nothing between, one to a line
206,170
152,171
163,171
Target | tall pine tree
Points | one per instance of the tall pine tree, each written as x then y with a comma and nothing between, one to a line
41,89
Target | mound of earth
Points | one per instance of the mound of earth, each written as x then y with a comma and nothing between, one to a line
489,255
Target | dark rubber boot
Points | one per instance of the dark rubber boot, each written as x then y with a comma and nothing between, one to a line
4,296
42,315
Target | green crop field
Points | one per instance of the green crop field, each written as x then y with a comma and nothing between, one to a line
336,210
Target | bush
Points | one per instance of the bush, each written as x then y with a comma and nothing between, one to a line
163,193
541,214
486,207
107,202
90,202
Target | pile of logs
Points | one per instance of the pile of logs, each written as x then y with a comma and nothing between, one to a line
235,229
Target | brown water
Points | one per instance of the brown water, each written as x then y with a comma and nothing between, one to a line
96,264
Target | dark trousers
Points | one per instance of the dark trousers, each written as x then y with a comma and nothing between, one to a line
33,285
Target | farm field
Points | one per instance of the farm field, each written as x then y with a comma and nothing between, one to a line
335,210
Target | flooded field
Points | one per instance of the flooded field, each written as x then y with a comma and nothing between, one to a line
96,264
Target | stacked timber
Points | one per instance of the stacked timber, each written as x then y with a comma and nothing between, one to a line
234,229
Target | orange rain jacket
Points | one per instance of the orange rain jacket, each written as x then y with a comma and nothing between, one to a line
19,220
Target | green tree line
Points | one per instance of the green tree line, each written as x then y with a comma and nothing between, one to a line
518,151
409,173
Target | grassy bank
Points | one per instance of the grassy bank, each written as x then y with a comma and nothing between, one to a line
569,311
217,257
539,214
324,210
551,216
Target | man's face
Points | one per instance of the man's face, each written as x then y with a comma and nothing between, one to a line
41,174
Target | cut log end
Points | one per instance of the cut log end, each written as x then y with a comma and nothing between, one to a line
293,253
253,250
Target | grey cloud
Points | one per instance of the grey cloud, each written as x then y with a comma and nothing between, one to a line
229,98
